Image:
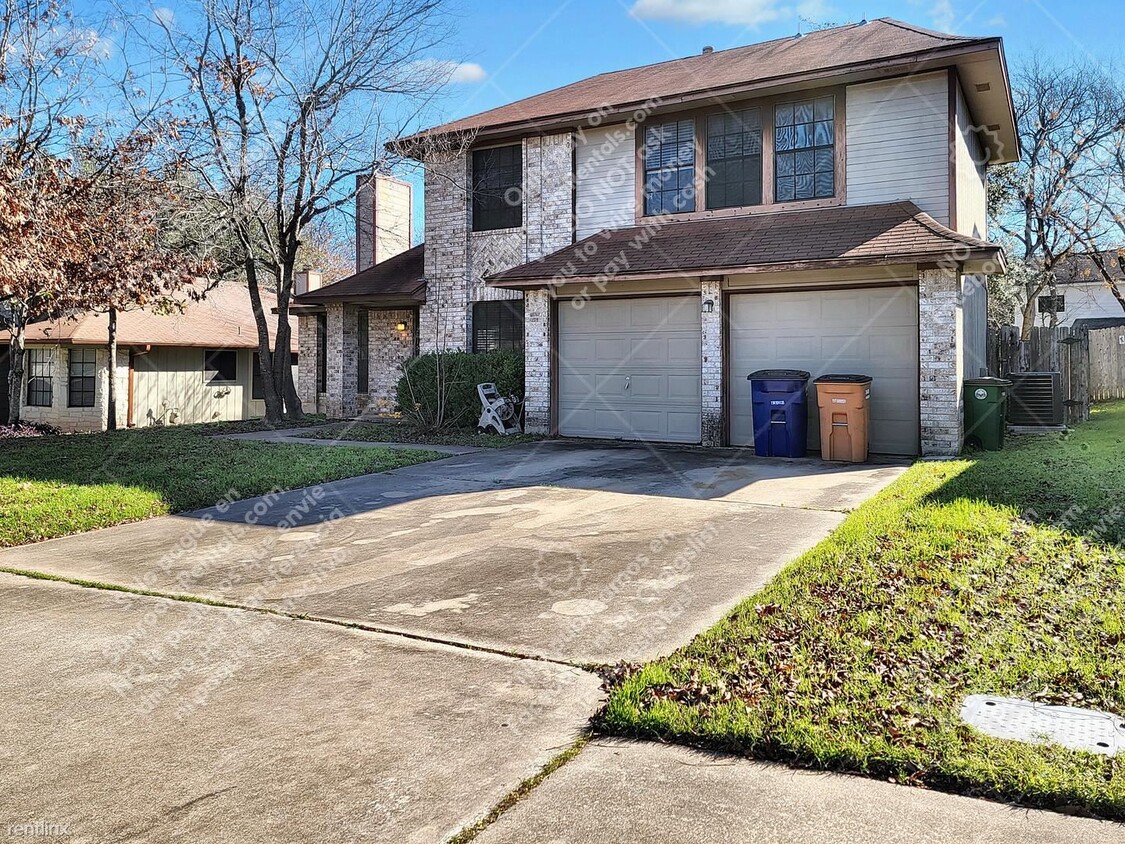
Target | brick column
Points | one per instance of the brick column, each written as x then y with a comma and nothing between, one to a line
307,353
712,411
941,370
341,374
537,361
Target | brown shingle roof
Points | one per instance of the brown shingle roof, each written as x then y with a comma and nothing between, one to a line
222,320
836,49
857,235
397,280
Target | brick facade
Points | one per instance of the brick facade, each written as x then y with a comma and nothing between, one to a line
72,419
712,364
537,361
341,371
307,353
388,349
941,366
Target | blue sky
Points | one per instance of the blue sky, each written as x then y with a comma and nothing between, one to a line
515,48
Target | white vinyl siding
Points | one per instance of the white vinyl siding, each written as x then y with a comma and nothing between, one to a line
898,142
972,196
605,179
170,387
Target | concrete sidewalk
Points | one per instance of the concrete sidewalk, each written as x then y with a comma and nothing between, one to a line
618,792
132,718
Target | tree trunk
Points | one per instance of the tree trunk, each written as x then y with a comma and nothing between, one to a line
1028,319
15,372
275,407
283,360
111,394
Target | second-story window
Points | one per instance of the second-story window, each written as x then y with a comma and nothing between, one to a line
498,188
669,158
805,150
734,158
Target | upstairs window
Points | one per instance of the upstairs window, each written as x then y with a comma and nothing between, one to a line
40,365
498,325
669,159
497,188
82,368
734,158
804,150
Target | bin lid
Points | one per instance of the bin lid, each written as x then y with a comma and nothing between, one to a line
843,379
987,382
781,374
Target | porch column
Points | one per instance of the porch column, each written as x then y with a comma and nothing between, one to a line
537,361
342,364
941,364
712,361
307,353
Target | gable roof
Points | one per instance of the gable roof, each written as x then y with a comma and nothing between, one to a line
1082,269
855,235
224,319
823,53
397,280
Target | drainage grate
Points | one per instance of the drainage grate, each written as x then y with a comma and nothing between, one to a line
1024,720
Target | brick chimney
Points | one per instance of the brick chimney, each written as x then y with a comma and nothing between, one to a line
384,207
306,280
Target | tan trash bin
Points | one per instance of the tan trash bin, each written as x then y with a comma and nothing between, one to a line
845,414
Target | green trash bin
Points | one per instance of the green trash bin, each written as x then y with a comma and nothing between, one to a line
986,412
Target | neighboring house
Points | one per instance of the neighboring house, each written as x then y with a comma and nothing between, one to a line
176,368
650,237
1081,297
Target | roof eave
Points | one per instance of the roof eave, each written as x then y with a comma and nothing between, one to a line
985,260
922,61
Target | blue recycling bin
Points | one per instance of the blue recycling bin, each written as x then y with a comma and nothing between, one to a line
781,421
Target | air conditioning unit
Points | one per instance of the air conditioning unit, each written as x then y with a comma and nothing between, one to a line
1035,399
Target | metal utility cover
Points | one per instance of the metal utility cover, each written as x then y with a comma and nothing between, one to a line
1039,723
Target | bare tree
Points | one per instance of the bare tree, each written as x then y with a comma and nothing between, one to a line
290,101
47,62
1070,117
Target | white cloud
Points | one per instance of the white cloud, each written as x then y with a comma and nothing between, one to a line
943,16
164,15
738,12
996,22
458,73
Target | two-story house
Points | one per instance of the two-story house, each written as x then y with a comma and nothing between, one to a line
651,236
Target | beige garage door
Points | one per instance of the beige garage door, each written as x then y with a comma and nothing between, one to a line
630,369
869,331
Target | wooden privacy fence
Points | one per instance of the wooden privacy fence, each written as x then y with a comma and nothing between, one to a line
1107,364
1063,350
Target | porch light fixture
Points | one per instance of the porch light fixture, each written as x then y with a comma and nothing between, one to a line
708,306
400,326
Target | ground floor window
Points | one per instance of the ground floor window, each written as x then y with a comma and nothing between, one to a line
81,377
498,325
322,353
220,365
39,371
362,350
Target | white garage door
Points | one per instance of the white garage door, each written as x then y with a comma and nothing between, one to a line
870,331
630,369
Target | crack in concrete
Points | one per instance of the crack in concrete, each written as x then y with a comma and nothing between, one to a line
316,619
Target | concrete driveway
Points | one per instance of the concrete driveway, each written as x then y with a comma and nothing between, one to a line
475,589
588,554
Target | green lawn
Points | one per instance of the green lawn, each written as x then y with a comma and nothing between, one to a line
52,486
1003,573
400,432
